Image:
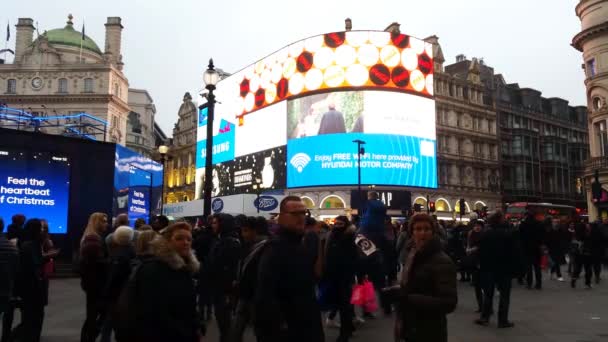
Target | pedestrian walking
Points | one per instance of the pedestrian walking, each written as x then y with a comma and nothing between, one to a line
598,241
220,271
254,233
558,242
581,249
500,260
9,261
340,268
471,261
286,307
532,236
30,282
93,275
165,296
428,287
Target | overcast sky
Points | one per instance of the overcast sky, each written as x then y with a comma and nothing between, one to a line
167,44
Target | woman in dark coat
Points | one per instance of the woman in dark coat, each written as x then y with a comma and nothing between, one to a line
30,282
165,300
428,290
558,242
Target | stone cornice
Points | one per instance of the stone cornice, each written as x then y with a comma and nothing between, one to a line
64,98
591,32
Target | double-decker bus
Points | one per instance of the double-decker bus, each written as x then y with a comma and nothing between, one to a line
516,212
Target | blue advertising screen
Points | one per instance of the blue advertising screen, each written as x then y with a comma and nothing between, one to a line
35,184
332,159
137,185
398,130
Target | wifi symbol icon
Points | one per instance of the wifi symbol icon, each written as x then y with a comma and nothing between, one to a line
299,161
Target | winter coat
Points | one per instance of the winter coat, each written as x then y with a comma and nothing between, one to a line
532,235
558,241
597,241
9,262
93,264
30,280
221,266
166,298
286,308
119,269
341,257
248,269
500,252
428,295
372,222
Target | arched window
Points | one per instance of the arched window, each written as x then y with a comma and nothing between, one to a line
442,205
479,205
308,202
421,201
62,85
332,202
457,207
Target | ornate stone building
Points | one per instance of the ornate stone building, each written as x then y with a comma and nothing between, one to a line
181,166
592,41
141,130
59,72
467,142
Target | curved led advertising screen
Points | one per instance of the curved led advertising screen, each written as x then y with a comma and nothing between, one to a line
309,101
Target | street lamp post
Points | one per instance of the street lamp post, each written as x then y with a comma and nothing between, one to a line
360,151
162,150
210,77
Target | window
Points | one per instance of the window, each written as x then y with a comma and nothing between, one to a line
115,89
597,103
11,86
88,85
62,85
516,122
516,147
591,67
601,134
332,202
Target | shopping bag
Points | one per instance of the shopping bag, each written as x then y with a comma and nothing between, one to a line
48,268
357,295
370,303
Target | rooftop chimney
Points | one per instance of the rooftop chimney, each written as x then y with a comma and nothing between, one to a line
113,41
24,38
348,24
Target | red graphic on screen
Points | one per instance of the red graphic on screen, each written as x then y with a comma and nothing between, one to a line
244,87
304,61
400,76
379,74
259,97
425,64
334,39
226,128
400,40
282,88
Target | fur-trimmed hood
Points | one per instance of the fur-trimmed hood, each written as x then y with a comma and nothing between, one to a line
160,249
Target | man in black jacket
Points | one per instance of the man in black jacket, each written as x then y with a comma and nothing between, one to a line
499,261
286,308
221,270
532,235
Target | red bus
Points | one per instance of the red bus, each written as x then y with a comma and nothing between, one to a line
516,212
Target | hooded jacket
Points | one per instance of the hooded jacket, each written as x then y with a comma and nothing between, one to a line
166,297
221,267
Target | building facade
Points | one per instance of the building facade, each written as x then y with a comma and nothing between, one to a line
181,164
59,72
592,41
140,124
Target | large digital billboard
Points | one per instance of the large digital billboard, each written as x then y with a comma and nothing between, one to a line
311,99
137,185
35,184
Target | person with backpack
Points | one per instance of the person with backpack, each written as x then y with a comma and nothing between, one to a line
220,270
121,252
254,232
160,292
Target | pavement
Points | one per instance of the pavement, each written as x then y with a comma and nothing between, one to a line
555,314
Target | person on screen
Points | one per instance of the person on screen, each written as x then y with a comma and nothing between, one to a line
359,125
333,120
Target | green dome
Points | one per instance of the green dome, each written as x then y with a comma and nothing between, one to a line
71,37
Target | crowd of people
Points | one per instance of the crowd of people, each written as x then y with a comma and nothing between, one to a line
290,277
